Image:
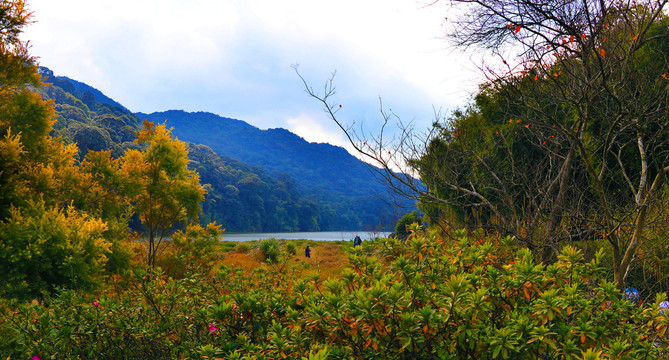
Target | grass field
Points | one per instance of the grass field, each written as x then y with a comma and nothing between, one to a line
327,257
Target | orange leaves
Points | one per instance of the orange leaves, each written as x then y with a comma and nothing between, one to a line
602,52
635,37
515,29
664,76
556,74
536,77
571,38
526,291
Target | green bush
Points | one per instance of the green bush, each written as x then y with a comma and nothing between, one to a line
242,247
269,248
42,249
193,250
291,248
404,223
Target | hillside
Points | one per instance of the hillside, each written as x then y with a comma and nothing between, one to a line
317,167
257,180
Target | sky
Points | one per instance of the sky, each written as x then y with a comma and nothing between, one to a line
234,58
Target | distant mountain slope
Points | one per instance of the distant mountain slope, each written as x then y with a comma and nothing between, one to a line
317,167
84,92
257,180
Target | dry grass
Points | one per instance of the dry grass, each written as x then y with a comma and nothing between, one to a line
327,258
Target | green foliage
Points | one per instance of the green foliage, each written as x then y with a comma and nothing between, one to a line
402,226
472,298
291,248
44,248
270,249
194,250
242,247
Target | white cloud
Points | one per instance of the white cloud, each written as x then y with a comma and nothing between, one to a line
233,57
313,130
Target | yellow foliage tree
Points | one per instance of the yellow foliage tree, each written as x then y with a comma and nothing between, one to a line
161,187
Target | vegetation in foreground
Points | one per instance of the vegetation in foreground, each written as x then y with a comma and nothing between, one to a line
426,298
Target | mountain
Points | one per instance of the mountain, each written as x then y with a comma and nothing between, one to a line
257,180
317,167
86,93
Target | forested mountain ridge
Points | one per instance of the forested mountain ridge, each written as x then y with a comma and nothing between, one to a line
243,195
317,167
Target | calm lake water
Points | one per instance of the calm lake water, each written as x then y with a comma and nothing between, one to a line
317,235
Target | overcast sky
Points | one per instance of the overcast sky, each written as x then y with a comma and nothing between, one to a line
234,57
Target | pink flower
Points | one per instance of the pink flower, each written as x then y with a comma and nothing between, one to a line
96,304
211,328
36,357
234,306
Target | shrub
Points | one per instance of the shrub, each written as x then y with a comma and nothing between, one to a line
403,224
426,298
269,248
194,249
242,247
45,248
291,248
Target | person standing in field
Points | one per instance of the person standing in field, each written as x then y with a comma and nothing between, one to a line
357,241
307,252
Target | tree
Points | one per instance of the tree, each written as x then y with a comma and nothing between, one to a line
584,86
160,185
598,69
405,222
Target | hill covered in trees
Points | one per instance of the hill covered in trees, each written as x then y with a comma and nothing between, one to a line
257,180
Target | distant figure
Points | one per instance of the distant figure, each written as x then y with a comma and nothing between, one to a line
357,241
307,252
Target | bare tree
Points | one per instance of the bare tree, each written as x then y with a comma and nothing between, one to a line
585,86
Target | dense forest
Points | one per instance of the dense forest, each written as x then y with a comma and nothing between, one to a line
245,194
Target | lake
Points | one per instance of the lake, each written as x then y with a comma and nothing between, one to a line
316,235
